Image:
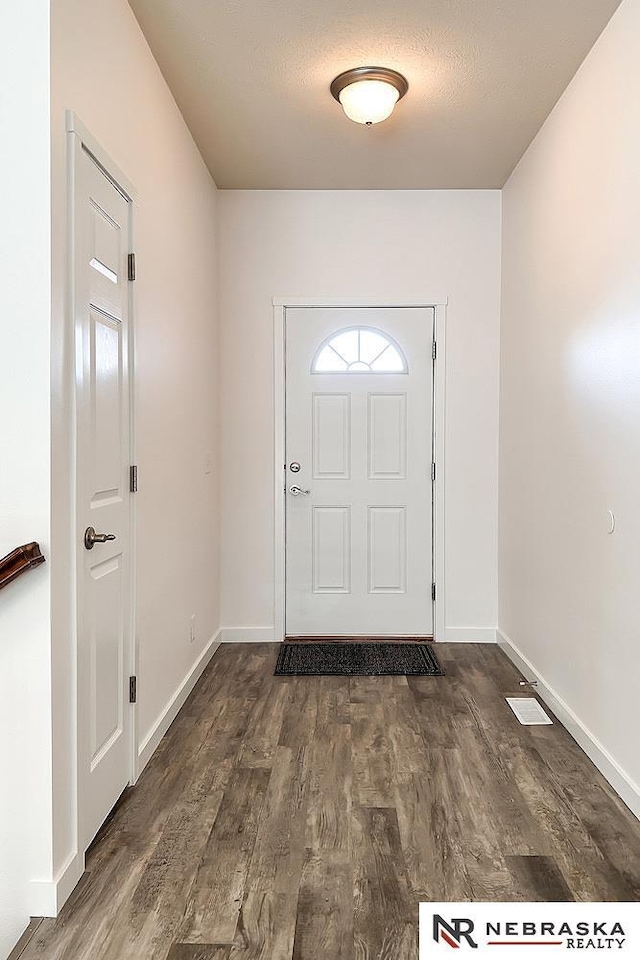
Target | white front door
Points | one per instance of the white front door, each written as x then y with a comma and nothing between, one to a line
101,299
359,403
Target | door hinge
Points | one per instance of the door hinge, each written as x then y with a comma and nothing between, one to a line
133,479
131,266
434,350
433,592
133,689
433,471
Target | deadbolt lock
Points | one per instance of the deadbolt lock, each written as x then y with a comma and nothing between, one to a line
294,467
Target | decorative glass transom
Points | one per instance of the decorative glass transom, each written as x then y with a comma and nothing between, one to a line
359,350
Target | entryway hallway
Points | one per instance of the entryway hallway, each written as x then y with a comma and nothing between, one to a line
299,818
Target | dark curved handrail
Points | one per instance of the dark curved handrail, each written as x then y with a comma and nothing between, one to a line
19,561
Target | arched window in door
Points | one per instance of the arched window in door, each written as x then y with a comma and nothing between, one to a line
359,350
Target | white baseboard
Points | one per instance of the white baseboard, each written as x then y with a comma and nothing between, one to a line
47,897
468,635
170,712
248,634
622,783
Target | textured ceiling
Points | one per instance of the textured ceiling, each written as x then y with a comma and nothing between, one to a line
252,80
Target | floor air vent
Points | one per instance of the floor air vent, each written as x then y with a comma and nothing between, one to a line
528,711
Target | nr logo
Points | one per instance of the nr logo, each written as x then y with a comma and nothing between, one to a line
454,932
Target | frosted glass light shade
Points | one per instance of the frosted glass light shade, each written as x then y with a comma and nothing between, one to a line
368,101
368,94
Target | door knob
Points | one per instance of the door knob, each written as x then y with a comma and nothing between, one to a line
297,491
91,538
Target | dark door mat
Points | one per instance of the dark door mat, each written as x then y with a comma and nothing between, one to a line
357,660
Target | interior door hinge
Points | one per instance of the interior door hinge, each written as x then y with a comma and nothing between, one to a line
133,689
131,266
433,471
434,350
433,592
133,479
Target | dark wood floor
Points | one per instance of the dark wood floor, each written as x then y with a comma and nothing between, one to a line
305,818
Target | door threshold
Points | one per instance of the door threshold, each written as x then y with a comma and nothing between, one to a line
352,639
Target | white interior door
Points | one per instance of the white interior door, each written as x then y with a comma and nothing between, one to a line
101,298
359,430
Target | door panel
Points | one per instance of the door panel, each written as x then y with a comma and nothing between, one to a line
331,455
101,296
359,395
387,431
106,639
387,543
331,549
104,395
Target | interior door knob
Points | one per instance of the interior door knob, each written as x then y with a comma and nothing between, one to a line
91,538
297,491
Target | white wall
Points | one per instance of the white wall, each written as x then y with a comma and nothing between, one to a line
103,70
25,727
570,398
361,243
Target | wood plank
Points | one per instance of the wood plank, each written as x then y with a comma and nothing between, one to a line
301,717
539,878
324,921
199,951
404,733
330,791
217,892
267,919
442,707
263,726
334,699
385,914
373,763
431,834
324,918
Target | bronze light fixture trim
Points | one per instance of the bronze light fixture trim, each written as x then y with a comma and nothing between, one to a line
369,94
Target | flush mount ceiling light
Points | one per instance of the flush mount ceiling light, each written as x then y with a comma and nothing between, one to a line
369,94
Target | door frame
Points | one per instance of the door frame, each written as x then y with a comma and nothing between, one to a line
80,139
280,307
